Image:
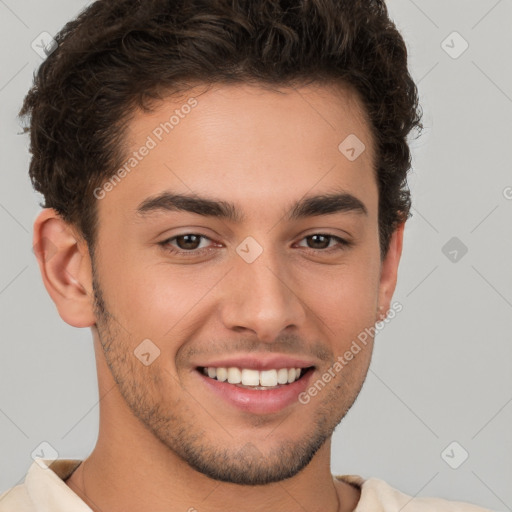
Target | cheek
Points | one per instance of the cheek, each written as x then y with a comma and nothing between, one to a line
352,286
346,299
157,300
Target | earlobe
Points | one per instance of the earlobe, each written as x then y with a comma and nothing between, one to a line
389,271
65,266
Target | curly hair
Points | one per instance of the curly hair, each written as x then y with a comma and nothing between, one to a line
118,56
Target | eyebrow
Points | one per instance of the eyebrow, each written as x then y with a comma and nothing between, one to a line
324,204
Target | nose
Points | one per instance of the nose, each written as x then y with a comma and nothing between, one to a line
261,297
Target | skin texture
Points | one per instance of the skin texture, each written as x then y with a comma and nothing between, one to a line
165,440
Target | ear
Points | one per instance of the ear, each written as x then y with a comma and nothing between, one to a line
65,266
389,270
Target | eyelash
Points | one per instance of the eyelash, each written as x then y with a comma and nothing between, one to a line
165,244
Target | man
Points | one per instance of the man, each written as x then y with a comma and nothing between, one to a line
225,197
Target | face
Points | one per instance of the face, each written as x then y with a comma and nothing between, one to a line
252,274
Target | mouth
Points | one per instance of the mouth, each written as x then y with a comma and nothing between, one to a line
248,378
257,391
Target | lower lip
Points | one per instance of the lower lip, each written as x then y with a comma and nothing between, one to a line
259,401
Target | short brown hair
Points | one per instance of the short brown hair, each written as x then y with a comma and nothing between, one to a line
119,55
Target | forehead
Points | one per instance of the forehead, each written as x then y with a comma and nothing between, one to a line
307,112
261,145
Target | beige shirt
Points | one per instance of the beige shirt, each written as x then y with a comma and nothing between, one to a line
45,490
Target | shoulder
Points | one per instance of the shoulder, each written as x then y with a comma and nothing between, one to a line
379,496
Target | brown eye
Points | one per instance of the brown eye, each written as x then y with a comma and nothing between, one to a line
322,242
188,242
319,241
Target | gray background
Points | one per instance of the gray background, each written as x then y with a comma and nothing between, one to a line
441,370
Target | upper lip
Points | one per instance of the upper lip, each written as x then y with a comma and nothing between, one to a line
261,362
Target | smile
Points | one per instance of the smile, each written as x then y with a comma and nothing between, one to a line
255,391
254,379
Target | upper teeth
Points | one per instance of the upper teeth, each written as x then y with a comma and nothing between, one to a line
249,377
